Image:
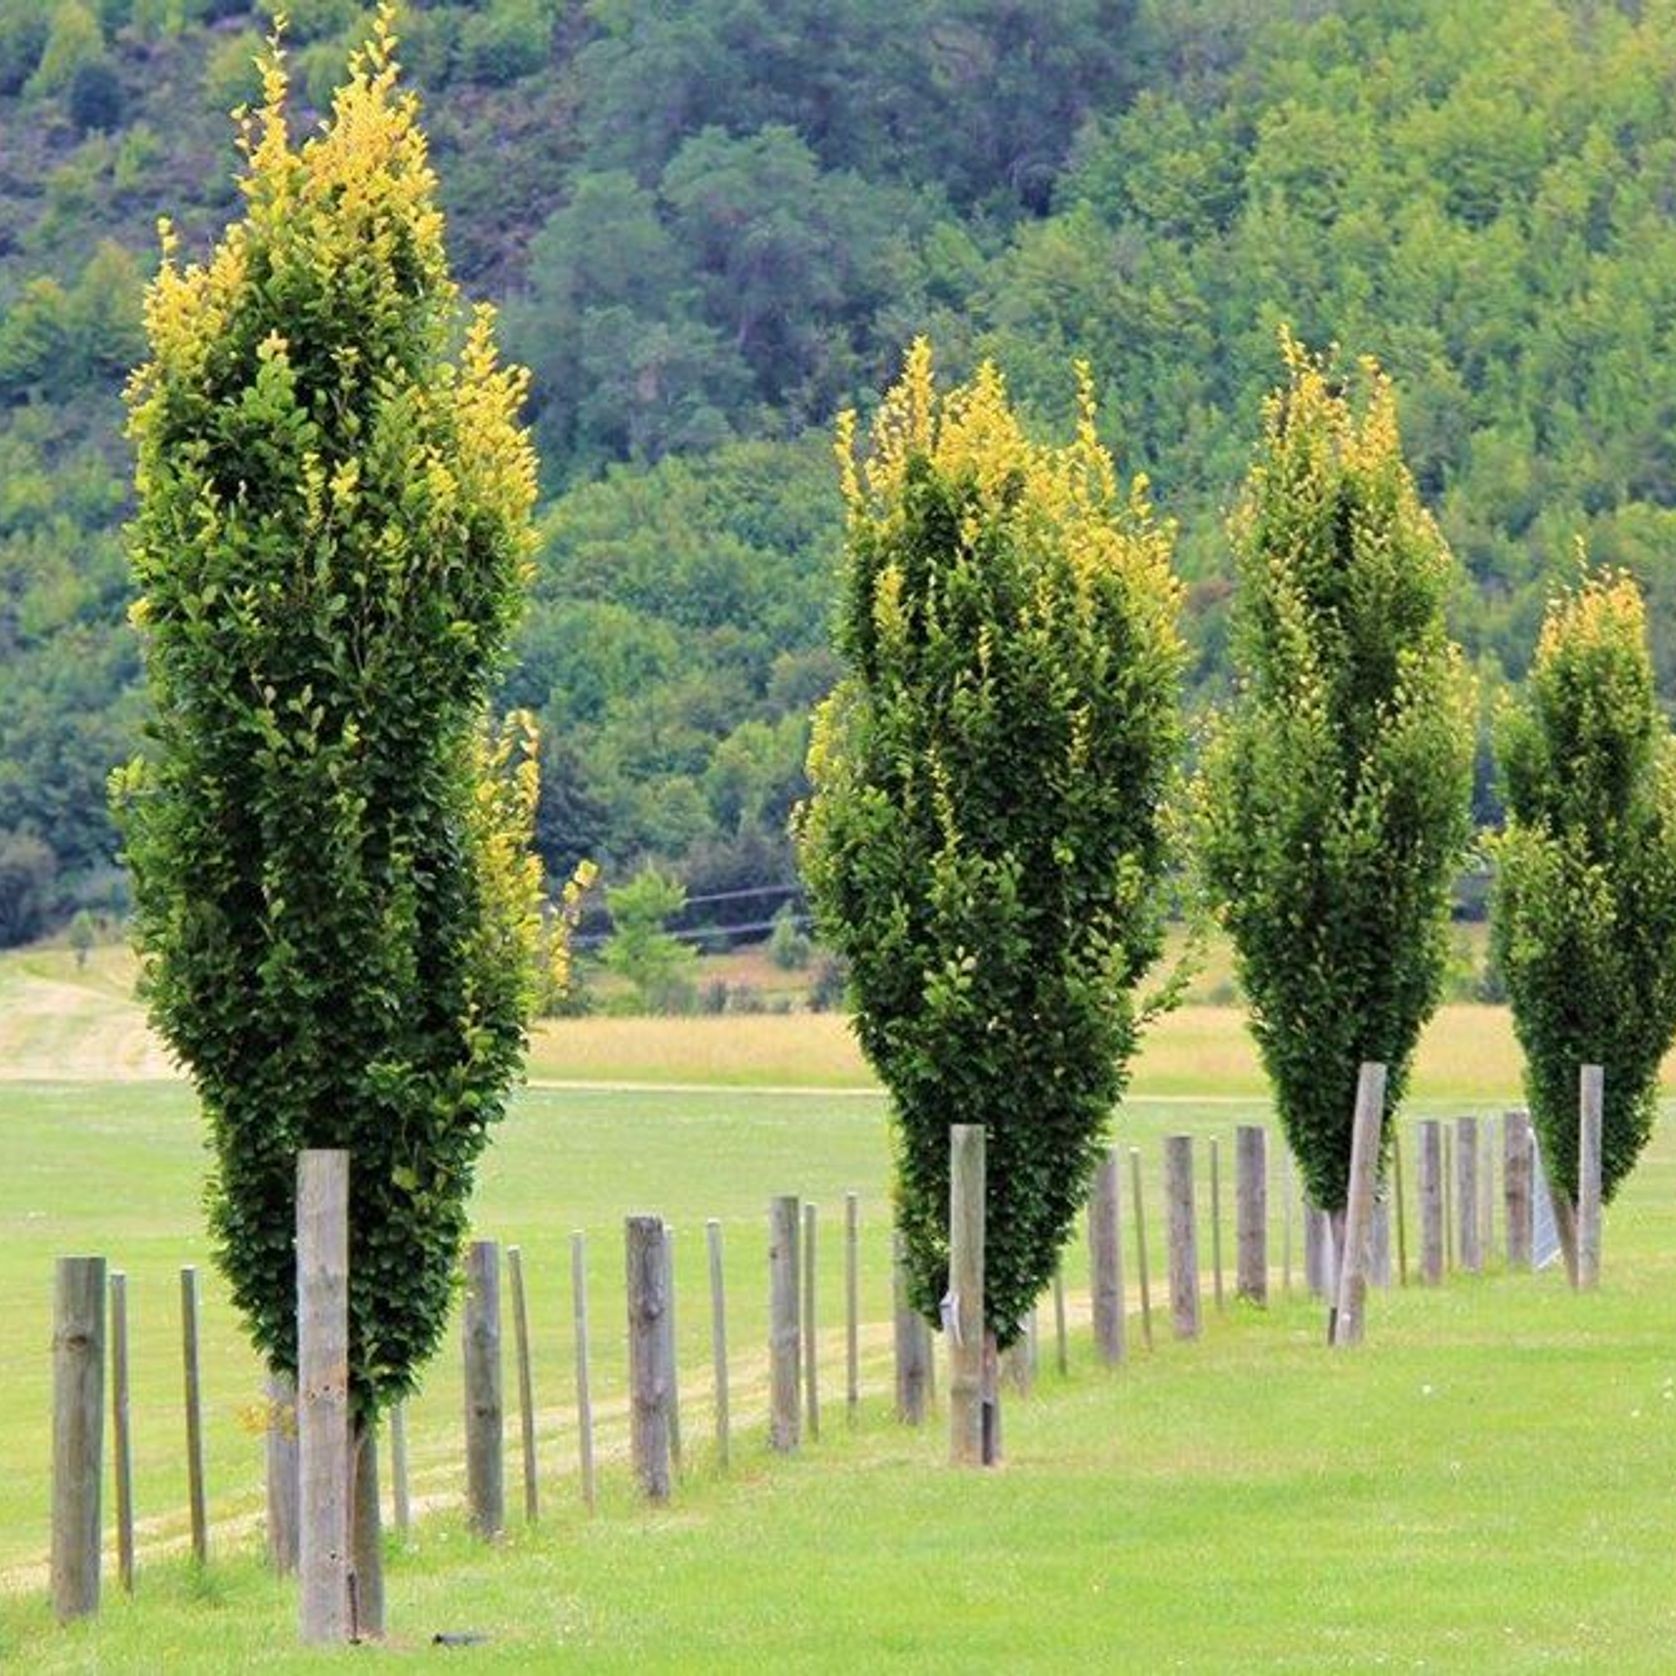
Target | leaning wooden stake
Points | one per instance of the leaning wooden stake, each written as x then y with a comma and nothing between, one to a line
811,1332
784,1334
1516,1187
78,1420
1350,1316
526,1380
281,1452
122,1438
584,1382
1591,1100
1184,1244
1104,1236
1467,1243
971,1430
485,1466
1251,1213
1432,1218
718,1339
852,1307
648,1346
323,1427
1139,1203
194,1401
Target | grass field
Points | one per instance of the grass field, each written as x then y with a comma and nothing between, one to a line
1484,1487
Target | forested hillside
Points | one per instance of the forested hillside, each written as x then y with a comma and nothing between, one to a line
712,225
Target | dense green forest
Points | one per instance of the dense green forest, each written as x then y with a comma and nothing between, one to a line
713,225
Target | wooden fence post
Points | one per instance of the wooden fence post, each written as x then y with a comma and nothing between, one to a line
1184,1247
811,1343
648,1346
1446,1184
1516,1187
78,1443
852,1307
1432,1218
1251,1213
1591,1100
913,1344
718,1339
122,1436
1104,1239
194,1406
400,1507
1349,1320
584,1380
526,1381
785,1335
1487,1190
1216,1221
1140,1244
485,1465
281,1462
1467,1244
970,1432
324,1511
1379,1245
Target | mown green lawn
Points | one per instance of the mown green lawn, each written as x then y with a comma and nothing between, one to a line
1484,1486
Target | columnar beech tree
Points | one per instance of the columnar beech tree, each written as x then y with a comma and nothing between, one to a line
335,903
1334,799
1584,905
986,838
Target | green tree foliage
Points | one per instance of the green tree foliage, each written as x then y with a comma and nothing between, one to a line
27,868
334,906
1334,802
658,964
1584,910
984,844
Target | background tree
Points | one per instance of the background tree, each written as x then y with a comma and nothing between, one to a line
335,905
1334,802
1584,907
657,963
984,844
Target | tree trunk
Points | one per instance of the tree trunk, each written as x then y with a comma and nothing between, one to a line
1333,1261
366,1550
991,1398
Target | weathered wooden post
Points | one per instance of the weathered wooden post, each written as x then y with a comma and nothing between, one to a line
1487,1190
526,1380
485,1466
1061,1348
122,1436
281,1462
1379,1244
784,1333
1516,1187
718,1340
1466,1195
1349,1319
78,1440
913,1345
1184,1246
1216,1221
1591,1100
400,1507
1432,1218
852,1307
971,1429
323,1436
194,1403
1104,1241
584,1378
648,1345
1140,1244
1317,1260
1251,1213
1446,1187
811,1331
